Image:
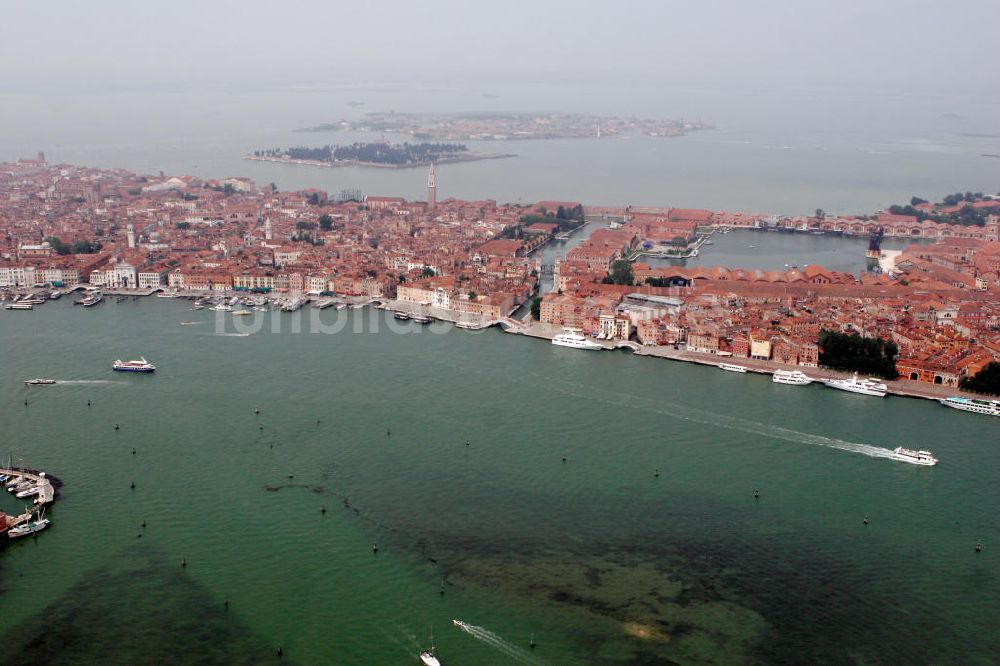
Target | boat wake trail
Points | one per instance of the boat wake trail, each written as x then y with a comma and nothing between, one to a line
735,423
516,653
232,335
806,438
748,426
88,381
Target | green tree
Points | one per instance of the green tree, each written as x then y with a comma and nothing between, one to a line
325,222
621,272
536,307
986,380
820,214
472,296
303,224
428,272
854,353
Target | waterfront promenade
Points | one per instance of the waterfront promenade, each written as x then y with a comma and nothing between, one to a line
900,387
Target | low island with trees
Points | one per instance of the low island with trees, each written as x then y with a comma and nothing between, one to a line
373,154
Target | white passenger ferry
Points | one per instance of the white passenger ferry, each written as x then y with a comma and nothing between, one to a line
574,340
989,407
732,367
793,377
141,365
862,386
914,457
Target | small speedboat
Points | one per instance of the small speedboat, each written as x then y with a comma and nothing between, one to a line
38,382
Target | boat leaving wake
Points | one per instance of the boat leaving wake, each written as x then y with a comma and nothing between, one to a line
516,653
88,381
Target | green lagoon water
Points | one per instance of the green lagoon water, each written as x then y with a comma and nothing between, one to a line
597,558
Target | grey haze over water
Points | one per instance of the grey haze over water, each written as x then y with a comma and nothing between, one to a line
847,107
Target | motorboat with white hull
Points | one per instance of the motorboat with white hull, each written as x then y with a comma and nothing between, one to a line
862,386
30,491
39,382
90,300
791,377
574,340
914,457
140,365
732,367
988,407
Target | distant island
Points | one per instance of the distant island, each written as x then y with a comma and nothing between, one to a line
374,154
513,126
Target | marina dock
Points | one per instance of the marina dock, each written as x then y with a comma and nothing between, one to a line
46,491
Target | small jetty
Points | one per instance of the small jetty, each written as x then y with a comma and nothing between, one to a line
27,484
46,485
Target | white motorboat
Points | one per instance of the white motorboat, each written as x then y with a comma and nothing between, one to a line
914,457
140,365
862,386
19,306
989,407
222,307
22,485
574,340
732,367
37,382
792,377
30,491
90,300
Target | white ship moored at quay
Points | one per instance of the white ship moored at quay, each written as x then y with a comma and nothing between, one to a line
793,377
862,386
574,340
732,367
990,407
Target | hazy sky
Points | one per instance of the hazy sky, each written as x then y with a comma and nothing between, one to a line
69,44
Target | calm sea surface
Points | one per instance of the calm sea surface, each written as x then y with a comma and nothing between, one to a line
597,558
